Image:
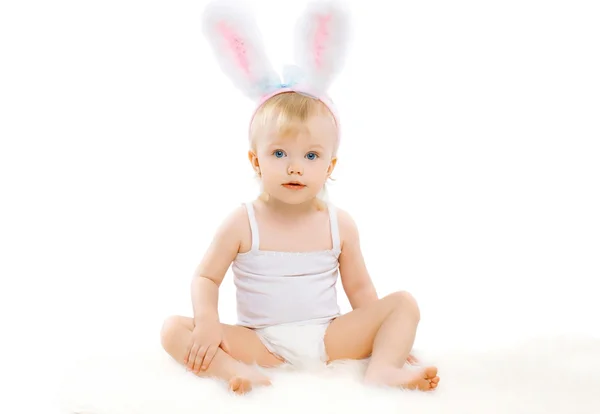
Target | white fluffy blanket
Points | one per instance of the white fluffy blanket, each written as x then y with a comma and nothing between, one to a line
555,375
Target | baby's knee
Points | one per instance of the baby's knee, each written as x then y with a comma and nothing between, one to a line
407,302
169,330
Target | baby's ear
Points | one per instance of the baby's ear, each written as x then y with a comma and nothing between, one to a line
331,166
321,40
233,34
253,158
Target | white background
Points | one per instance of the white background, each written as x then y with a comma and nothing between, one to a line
470,161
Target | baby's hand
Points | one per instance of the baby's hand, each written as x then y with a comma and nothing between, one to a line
206,339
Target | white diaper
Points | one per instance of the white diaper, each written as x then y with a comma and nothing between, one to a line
299,345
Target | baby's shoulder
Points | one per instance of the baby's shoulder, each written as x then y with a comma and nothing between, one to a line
347,225
235,222
235,216
238,224
343,216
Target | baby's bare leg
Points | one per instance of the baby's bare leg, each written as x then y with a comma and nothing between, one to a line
245,348
384,330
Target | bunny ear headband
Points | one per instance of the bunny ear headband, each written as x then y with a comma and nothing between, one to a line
321,38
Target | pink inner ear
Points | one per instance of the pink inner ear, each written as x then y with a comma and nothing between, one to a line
320,38
237,46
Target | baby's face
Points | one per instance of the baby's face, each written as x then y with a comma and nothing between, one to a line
294,168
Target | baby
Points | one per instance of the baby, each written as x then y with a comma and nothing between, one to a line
288,247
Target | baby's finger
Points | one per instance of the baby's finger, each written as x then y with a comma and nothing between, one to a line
412,360
188,350
210,354
192,357
199,358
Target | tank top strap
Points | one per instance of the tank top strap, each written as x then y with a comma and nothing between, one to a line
253,226
335,231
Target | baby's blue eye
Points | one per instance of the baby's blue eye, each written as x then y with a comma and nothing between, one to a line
278,153
312,156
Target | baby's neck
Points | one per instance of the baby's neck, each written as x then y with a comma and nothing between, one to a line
282,209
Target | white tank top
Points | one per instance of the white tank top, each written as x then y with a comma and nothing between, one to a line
274,288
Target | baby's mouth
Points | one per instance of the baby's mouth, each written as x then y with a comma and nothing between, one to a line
295,185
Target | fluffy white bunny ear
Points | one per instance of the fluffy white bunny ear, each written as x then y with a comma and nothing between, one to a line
321,41
232,32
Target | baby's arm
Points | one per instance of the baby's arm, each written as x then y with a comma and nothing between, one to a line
212,269
355,278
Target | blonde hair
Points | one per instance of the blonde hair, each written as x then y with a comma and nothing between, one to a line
287,112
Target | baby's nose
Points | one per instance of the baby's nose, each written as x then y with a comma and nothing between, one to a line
294,169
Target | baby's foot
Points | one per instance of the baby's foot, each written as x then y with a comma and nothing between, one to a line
424,379
241,384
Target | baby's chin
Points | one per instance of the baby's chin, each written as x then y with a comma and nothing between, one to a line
293,196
